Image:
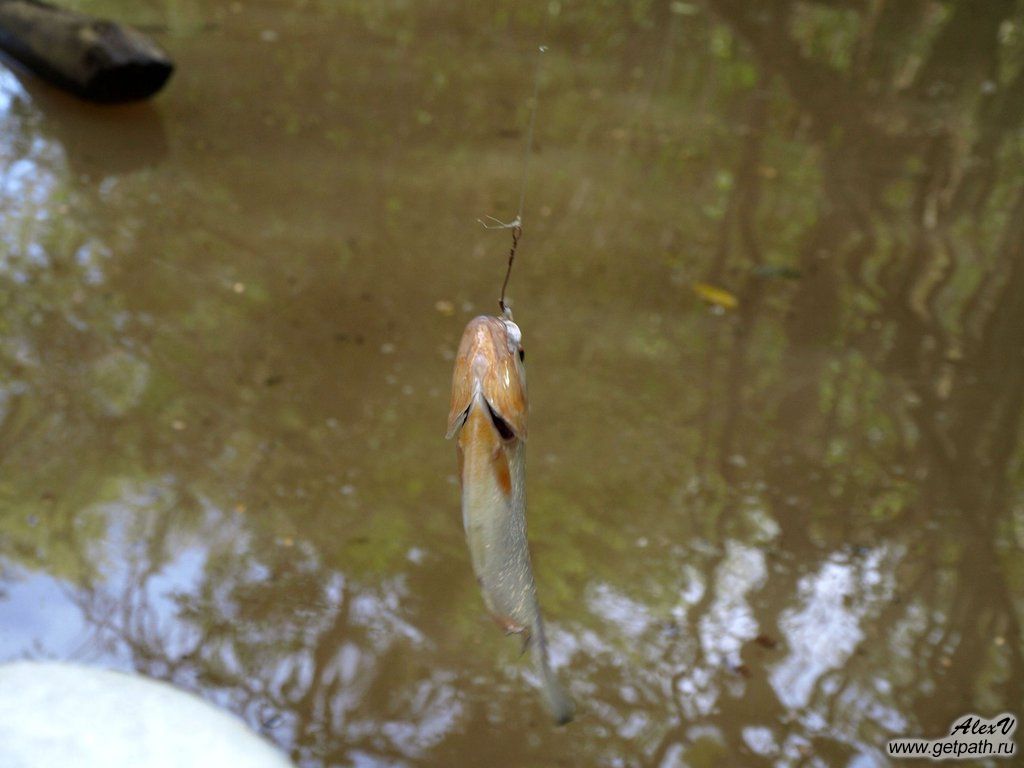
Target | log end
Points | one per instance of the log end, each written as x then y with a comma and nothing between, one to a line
122,63
127,82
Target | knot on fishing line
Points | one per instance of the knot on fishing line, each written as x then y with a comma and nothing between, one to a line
516,223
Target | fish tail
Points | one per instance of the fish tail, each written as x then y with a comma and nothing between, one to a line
559,702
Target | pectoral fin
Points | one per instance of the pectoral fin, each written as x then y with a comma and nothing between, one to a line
505,393
455,421
462,396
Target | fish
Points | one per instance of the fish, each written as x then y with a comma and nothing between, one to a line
488,416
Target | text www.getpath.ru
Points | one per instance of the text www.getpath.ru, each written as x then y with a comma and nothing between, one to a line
970,736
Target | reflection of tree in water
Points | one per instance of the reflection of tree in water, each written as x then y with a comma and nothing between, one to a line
232,630
910,302
856,459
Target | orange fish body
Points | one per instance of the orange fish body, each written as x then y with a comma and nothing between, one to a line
489,416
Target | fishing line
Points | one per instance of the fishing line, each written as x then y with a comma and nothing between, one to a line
516,225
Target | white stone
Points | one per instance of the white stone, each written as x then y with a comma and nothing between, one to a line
54,714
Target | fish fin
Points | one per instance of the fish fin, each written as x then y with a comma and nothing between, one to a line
561,704
527,638
505,429
506,397
557,698
456,419
462,392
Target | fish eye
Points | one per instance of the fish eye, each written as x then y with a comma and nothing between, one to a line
522,355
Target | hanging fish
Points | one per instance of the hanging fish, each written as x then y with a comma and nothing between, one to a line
488,414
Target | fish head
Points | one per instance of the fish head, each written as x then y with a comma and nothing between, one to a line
489,369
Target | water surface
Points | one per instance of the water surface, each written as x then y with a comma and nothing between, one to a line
775,533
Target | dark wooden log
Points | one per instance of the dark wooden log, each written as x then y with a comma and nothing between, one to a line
93,58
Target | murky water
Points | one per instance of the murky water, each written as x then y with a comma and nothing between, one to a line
778,533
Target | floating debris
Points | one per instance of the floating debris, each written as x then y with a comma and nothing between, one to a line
714,295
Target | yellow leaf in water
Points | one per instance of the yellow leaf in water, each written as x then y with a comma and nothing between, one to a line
714,295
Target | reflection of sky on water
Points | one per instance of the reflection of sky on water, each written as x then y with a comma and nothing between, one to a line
30,168
731,622
436,702
10,88
87,622
825,630
37,618
42,616
133,614
820,634
630,617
